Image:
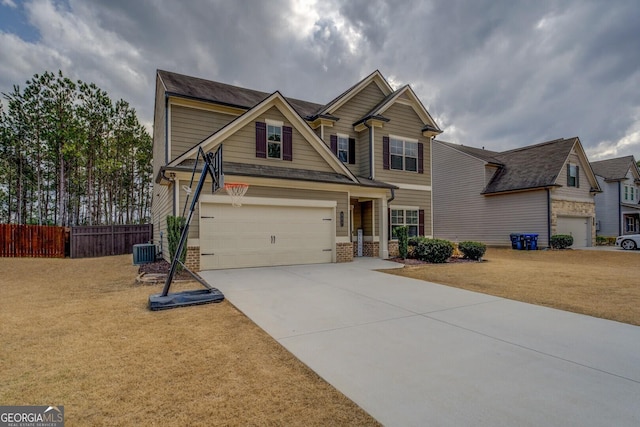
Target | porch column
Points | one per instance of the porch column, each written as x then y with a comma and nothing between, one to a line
384,228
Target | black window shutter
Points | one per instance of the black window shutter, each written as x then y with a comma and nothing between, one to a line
352,151
287,143
261,140
568,174
334,144
577,176
385,152
389,221
421,222
420,157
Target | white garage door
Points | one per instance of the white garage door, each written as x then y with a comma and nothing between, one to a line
578,227
256,235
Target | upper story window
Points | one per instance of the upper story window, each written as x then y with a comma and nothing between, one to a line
630,193
573,175
343,148
274,140
404,154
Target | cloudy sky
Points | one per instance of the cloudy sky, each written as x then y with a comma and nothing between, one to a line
495,73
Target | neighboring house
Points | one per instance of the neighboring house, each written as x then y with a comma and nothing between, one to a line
485,196
617,207
317,173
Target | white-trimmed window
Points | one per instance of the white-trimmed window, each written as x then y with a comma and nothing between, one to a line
343,148
629,193
404,154
404,217
572,176
274,139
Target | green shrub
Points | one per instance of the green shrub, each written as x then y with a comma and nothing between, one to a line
175,225
561,241
472,250
403,240
433,250
605,241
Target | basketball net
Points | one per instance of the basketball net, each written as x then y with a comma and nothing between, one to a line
236,191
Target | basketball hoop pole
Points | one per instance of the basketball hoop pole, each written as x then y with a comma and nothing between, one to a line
212,167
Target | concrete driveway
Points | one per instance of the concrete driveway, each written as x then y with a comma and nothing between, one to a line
413,353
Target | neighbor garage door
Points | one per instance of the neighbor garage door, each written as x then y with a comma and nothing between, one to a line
256,235
577,227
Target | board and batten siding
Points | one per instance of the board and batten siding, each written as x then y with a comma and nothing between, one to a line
190,126
403,122
241,147
461,212
417,198
349,113
607,208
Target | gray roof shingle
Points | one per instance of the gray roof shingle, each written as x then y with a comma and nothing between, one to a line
229,95
613,169
534,166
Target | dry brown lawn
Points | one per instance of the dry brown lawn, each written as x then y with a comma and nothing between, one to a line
597,283
78,333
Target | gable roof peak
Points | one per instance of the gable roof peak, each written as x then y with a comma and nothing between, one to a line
616,168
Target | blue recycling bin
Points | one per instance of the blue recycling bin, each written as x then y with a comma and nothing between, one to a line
531,241
517,241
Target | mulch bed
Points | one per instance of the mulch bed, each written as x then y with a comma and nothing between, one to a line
413,261
162,267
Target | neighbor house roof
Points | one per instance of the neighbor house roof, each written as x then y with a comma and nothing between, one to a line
224,94
527,168
614,169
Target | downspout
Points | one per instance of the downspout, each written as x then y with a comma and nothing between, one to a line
548,218
371,171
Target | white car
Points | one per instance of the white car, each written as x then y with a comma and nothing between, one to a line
628,242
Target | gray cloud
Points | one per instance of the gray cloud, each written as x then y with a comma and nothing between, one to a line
499,74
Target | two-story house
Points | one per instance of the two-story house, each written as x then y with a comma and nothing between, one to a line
327,182
618,206
542,189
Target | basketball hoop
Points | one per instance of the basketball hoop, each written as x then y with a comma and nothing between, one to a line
236,190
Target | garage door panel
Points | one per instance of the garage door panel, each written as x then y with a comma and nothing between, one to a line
256,235
577,227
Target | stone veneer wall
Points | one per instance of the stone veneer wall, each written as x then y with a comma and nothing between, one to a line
571,208
193,258
394,250
344,252
369,249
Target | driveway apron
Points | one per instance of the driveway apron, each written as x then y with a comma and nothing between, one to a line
414,353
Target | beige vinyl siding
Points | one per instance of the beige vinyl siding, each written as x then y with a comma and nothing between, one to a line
159,131
241,147
403,122
419,199
341,198
361,168
189,126
161,207
461,212
566,192
194,227
349,113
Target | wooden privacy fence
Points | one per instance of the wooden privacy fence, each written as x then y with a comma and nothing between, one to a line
18,240
105,240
